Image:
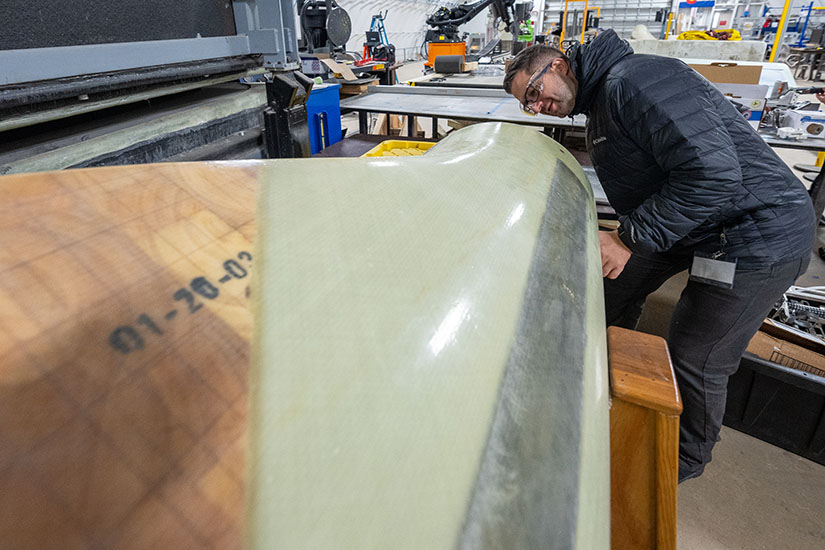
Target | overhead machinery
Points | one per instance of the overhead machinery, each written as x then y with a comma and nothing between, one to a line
443,37
325,26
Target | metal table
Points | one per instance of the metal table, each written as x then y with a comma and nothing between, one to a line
384,71
808,144
485,76
481,105
436,80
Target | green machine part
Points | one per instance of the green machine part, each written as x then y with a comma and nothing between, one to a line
525,31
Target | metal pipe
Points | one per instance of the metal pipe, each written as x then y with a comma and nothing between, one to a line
804,26
563,24
564,19
777,42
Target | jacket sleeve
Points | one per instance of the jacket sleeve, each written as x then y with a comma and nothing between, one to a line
677,121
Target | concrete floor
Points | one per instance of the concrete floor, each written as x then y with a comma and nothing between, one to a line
753,495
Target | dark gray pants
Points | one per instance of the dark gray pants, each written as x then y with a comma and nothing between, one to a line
709,331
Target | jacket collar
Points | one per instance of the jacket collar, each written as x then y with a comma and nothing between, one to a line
591,61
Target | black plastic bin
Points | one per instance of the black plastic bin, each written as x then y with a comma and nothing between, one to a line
780,405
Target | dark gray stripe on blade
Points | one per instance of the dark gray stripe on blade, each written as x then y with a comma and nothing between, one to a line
526,494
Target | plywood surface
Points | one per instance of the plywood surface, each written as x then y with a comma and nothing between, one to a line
124,355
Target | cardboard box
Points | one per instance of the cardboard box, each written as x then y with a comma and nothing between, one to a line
339,69
467,67
793,335
752,96
786,354
812,123
356,88
398,126
729,73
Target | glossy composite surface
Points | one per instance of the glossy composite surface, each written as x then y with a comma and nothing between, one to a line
430,363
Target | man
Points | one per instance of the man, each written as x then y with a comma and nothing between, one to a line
695,188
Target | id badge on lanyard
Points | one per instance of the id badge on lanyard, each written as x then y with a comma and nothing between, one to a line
712,269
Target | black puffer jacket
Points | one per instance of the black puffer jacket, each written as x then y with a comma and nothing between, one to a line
680,165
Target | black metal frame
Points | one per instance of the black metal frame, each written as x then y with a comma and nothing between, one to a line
558,133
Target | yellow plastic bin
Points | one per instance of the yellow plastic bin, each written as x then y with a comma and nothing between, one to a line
399,148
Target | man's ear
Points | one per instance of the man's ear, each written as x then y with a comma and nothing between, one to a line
560,66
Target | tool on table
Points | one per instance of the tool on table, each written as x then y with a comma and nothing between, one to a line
809,90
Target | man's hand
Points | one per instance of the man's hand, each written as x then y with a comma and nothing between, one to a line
821,97
614,254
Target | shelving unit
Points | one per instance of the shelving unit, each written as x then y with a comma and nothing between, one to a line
619,15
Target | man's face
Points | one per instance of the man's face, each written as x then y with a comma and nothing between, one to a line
553,91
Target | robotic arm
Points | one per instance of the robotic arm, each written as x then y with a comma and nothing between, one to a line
445,21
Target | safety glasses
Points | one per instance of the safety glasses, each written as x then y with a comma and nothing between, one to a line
535,86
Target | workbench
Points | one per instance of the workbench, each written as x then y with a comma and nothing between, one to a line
358,144
481,105
383,70
462,80
485,76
